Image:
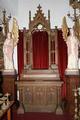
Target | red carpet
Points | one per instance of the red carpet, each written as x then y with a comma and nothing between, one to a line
40,116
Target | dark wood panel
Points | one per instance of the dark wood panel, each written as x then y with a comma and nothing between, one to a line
72,81
9,86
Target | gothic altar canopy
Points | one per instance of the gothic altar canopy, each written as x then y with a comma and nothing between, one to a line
40,48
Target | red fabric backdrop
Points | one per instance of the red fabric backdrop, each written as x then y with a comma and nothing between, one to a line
20,53
62,59
40,50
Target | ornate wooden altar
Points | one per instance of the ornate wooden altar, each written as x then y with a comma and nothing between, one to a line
39,88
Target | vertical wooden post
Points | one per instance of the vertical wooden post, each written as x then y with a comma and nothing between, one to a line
9,114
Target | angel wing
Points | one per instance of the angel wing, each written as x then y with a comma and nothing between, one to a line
15,32
64,28
77,29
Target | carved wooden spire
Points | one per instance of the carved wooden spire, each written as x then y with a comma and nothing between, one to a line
39,7
39,18
29,16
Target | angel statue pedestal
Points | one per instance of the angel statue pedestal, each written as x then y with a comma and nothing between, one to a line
9,73
72,72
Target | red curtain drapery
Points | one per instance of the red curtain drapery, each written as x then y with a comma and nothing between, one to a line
20,53
40,50
62,60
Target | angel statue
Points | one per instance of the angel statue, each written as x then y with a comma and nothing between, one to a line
72,45
8,52
65,28
8,47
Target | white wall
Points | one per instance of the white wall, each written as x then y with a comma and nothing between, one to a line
58,9
20,9
11,6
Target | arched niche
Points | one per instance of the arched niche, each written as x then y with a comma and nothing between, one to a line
40,24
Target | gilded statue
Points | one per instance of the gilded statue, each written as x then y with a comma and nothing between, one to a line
72,46
77,29
8,47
